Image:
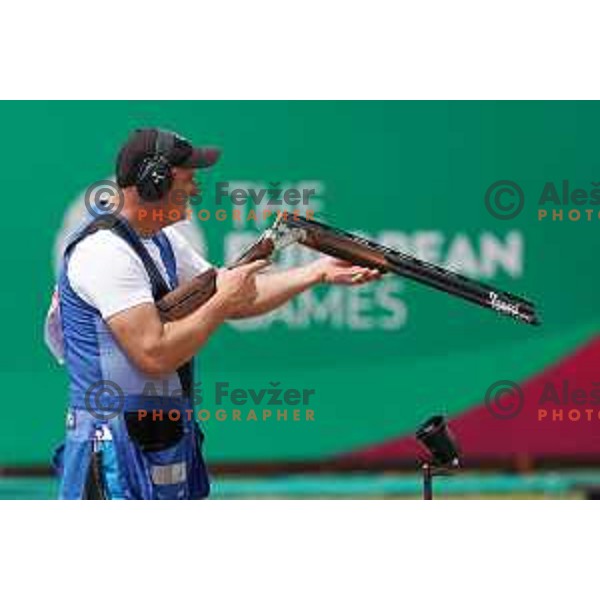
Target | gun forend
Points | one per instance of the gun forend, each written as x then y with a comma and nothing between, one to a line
189,296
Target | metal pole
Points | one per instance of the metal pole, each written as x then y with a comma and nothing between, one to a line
427,482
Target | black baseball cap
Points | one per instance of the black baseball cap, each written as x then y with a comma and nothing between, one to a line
142,144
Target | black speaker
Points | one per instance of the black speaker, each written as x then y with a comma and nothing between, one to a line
435,435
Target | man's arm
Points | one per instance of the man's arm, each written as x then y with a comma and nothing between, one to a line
159,348
275,289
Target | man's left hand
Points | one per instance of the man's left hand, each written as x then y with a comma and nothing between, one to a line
340,272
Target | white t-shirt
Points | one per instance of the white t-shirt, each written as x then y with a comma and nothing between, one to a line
106,272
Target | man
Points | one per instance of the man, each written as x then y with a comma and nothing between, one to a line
114,338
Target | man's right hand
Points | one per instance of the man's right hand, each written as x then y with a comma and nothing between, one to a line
236,287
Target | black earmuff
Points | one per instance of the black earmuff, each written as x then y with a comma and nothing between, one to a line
155,175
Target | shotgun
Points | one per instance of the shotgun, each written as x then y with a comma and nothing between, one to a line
291,228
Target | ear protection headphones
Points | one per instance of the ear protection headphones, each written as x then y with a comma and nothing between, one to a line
155,174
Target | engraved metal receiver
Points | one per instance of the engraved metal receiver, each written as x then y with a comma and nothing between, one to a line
275,238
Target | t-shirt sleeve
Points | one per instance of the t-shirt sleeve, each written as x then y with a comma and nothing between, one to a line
189,261
107,274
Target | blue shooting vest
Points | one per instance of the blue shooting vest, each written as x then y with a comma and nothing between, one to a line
109,451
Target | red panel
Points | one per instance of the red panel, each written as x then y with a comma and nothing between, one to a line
484,436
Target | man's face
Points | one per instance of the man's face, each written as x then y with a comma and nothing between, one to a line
184,187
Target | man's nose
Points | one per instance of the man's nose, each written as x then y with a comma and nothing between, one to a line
196,189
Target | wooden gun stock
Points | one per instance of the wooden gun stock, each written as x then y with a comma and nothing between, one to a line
190,296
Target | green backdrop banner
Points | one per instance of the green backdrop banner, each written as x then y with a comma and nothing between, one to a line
373,361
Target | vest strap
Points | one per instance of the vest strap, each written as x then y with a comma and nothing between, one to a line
159,286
